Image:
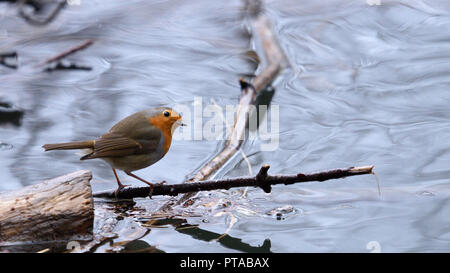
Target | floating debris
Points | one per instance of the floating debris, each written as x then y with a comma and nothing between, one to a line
10,114
425,193
5,146
281,211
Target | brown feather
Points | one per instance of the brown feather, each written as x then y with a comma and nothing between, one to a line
69,145
113,147
111,153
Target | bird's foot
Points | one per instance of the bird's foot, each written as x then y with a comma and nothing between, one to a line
119,188
152,186
150,193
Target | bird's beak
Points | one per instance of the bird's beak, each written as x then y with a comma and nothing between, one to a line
176,124
180,121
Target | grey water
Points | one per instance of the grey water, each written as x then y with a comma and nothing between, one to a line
366,84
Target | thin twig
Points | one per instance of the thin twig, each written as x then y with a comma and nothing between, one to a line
261,180
233,221
250,170
67,52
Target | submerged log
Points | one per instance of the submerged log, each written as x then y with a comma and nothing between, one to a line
58,209
276,61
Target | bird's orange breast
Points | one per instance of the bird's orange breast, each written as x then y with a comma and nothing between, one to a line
165,128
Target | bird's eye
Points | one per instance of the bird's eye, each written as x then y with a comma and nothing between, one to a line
166,113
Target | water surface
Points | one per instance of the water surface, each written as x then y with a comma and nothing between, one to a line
367,84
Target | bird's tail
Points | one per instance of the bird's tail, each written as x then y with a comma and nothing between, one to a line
69,145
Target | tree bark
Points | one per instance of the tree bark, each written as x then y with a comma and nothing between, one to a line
58,209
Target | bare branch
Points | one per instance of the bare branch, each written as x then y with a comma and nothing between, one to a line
67,53
262,180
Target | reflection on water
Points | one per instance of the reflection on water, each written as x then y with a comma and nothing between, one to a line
367,85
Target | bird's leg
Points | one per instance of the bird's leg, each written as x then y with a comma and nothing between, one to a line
119,185
151,185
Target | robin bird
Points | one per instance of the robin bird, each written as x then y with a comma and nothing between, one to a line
134,143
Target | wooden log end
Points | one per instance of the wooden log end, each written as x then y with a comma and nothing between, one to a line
57,209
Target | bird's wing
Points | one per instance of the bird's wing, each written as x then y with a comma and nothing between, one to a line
131,136
111,145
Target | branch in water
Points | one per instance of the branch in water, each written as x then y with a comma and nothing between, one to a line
61,66
276,61
262,180
67,52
